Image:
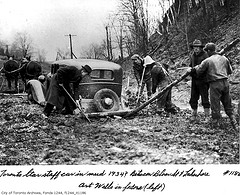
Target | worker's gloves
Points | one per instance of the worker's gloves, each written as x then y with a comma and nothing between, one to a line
190,70
78,103
76,111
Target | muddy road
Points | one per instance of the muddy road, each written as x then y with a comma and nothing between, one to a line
149,138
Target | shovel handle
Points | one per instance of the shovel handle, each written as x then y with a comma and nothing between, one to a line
76,104
140,86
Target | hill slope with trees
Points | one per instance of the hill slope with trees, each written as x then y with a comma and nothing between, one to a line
187,20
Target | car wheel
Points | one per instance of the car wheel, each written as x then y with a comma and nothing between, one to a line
106,100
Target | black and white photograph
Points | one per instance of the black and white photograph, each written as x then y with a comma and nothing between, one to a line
119,96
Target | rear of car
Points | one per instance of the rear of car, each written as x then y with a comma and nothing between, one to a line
102,92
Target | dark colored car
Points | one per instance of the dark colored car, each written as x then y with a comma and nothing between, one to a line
103,91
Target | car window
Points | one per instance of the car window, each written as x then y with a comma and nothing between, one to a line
108,74
95,74
102,74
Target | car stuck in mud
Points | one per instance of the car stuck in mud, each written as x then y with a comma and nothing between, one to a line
102,91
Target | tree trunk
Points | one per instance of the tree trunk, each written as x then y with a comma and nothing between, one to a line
108,46
204,6
227,5
213,15
186,26
121,44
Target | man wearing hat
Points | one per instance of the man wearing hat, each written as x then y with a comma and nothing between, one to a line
199,86
56,96
142,72
217,68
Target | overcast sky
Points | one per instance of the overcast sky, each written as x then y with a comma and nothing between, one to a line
48,21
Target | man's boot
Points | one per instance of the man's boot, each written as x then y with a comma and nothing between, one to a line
207,112
207,115
194,115
215,123
233,122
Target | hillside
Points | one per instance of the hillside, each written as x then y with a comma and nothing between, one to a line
174,51
226,29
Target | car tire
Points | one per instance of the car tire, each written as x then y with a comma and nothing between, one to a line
102,96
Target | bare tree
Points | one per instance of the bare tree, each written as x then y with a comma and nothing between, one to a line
2,48
87,52
120,38
109,43
41,55
23,44
62,54
135,14
95,51
99,51
132,26
116,24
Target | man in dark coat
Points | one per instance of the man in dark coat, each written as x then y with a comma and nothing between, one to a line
56,96
160,79
217,68
199,86
142,73
10,68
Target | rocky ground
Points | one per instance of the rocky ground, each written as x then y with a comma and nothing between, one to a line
148,138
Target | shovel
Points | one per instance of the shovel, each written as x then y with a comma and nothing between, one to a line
78,106
140,86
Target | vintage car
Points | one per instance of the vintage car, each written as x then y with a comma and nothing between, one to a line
102,93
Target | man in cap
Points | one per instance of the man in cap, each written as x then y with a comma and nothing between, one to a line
199,86
56,95
217,68
142,73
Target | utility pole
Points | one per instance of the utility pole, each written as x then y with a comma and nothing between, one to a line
70,38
